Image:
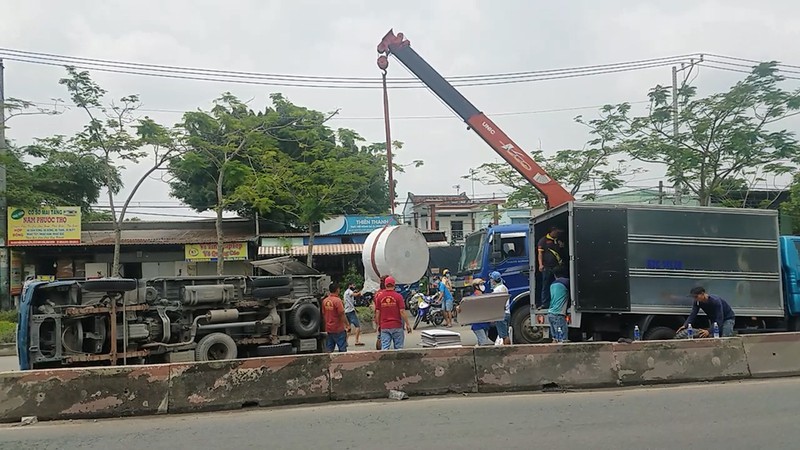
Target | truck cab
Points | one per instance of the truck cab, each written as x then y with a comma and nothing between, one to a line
505,249
790,267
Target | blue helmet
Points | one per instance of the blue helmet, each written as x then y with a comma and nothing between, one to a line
496,276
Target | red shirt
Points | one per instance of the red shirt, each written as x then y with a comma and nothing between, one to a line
332,310
390,303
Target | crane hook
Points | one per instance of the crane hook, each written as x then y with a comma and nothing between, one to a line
383,63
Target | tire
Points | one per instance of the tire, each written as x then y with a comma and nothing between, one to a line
215,347
274,350
416,322
305,320
659,334
272,292
111,285
438,319
524,333
271,282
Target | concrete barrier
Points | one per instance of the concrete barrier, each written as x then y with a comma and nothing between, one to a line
773,355
60,394
533,367
220,385
363,375
681,361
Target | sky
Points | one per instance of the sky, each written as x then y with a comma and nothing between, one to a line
339,38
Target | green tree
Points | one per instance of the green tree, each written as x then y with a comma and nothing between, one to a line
574,169
792,207
221,146
721,137
283,161
114,136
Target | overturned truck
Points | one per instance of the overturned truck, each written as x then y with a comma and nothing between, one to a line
114,321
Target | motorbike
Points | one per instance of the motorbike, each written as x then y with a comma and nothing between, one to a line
427,311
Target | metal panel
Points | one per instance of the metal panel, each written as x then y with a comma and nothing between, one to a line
601,259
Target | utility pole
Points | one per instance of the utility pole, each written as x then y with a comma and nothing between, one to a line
660,192
677,186
5,297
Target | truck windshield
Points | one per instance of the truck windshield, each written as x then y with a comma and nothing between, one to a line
471,254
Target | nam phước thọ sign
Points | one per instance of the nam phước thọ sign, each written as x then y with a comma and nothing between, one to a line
57,225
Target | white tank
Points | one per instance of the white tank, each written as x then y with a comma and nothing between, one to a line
399,251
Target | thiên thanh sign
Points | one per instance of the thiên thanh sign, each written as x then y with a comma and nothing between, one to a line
58,225
232,251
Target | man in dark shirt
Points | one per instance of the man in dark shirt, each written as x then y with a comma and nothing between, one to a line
717,310
548,253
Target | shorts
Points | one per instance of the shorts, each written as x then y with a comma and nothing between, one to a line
448,305
502,326
352,317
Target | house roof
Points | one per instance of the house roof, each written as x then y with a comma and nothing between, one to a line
419,199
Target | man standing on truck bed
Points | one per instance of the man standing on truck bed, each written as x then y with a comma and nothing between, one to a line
717,310
548,254
336,324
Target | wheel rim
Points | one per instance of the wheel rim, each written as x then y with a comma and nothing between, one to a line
217,352
529,333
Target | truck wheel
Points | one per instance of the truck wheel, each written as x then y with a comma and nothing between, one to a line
524,333
110,285
274,350
215,347
659,334
272,292
305,320
271,282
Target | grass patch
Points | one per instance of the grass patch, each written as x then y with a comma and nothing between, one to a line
8,316
7,334
365,314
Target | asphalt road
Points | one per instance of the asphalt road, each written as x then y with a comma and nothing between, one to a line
752,414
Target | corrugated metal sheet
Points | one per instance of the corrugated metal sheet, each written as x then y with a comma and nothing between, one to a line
320,249
325,249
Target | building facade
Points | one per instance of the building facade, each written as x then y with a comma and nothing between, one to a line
455,215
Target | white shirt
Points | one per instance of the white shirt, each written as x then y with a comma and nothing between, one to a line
349,301
500,288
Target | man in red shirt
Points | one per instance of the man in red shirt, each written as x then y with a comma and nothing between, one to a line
390,313
336,324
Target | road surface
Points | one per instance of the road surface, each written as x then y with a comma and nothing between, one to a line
9,363
751,414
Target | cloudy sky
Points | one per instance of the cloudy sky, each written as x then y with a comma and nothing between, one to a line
338,38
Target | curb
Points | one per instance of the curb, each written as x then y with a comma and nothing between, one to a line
8,349
89,393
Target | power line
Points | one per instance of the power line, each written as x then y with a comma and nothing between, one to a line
255,78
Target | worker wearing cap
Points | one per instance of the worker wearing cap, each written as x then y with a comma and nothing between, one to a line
498,286
390,313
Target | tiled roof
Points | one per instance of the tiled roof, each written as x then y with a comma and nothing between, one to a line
157,237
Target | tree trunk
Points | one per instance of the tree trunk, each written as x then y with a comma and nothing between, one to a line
220,235
311,235
117,247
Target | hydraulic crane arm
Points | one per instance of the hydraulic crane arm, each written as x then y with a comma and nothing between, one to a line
397,45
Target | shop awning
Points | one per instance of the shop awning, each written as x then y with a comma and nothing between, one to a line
319,249
323,249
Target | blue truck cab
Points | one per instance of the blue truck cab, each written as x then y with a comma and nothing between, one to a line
502,248
790,268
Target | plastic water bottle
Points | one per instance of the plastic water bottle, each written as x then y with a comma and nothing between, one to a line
690,332
637,336
559,335
716,330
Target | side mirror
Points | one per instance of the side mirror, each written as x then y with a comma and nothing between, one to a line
496,256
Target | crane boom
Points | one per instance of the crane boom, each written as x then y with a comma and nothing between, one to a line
395,44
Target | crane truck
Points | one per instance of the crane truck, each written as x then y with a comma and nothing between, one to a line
629,265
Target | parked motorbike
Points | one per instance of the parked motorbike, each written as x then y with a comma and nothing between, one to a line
427,311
